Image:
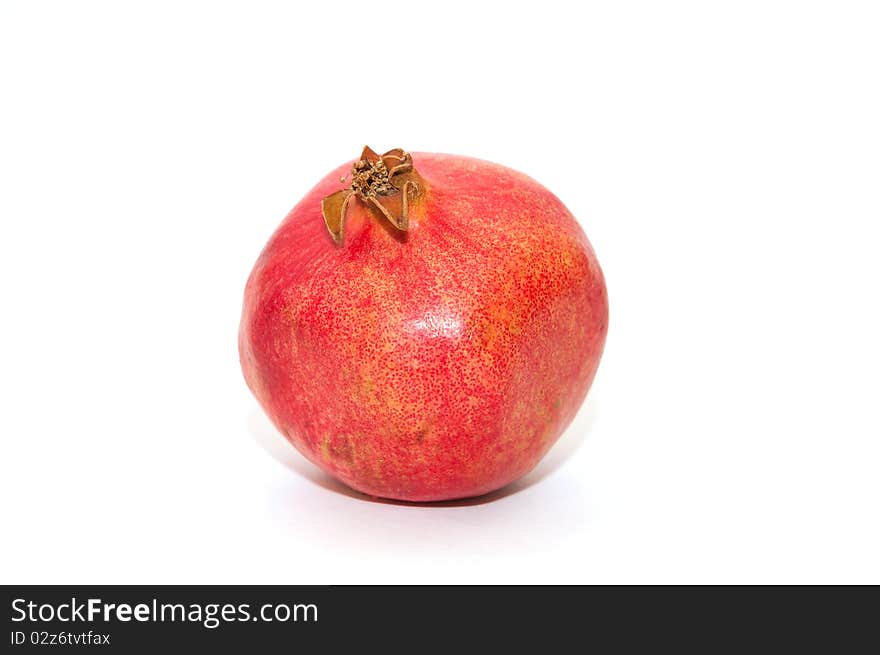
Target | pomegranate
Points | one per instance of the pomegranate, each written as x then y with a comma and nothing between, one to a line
423,327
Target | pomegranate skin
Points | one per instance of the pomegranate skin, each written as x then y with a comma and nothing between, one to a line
435,364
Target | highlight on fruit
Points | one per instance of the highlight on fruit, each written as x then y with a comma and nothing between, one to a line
423,326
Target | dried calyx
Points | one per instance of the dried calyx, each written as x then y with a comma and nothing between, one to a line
385,183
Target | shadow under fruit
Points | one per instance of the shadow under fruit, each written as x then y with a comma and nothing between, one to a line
423,327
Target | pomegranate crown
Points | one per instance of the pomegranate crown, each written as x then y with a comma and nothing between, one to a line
383,183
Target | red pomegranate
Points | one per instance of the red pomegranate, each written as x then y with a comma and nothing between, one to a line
423,327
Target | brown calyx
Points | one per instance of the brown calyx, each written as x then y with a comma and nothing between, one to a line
386,183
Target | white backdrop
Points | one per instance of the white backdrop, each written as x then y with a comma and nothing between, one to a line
722,157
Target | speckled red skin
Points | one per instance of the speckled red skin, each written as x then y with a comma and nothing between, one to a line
436,366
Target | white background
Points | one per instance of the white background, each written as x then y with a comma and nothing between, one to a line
724,159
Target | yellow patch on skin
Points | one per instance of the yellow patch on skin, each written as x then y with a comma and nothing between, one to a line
547,434
368,389
504,316
393,403
522,444
500,313
566,260
490,336
338,449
